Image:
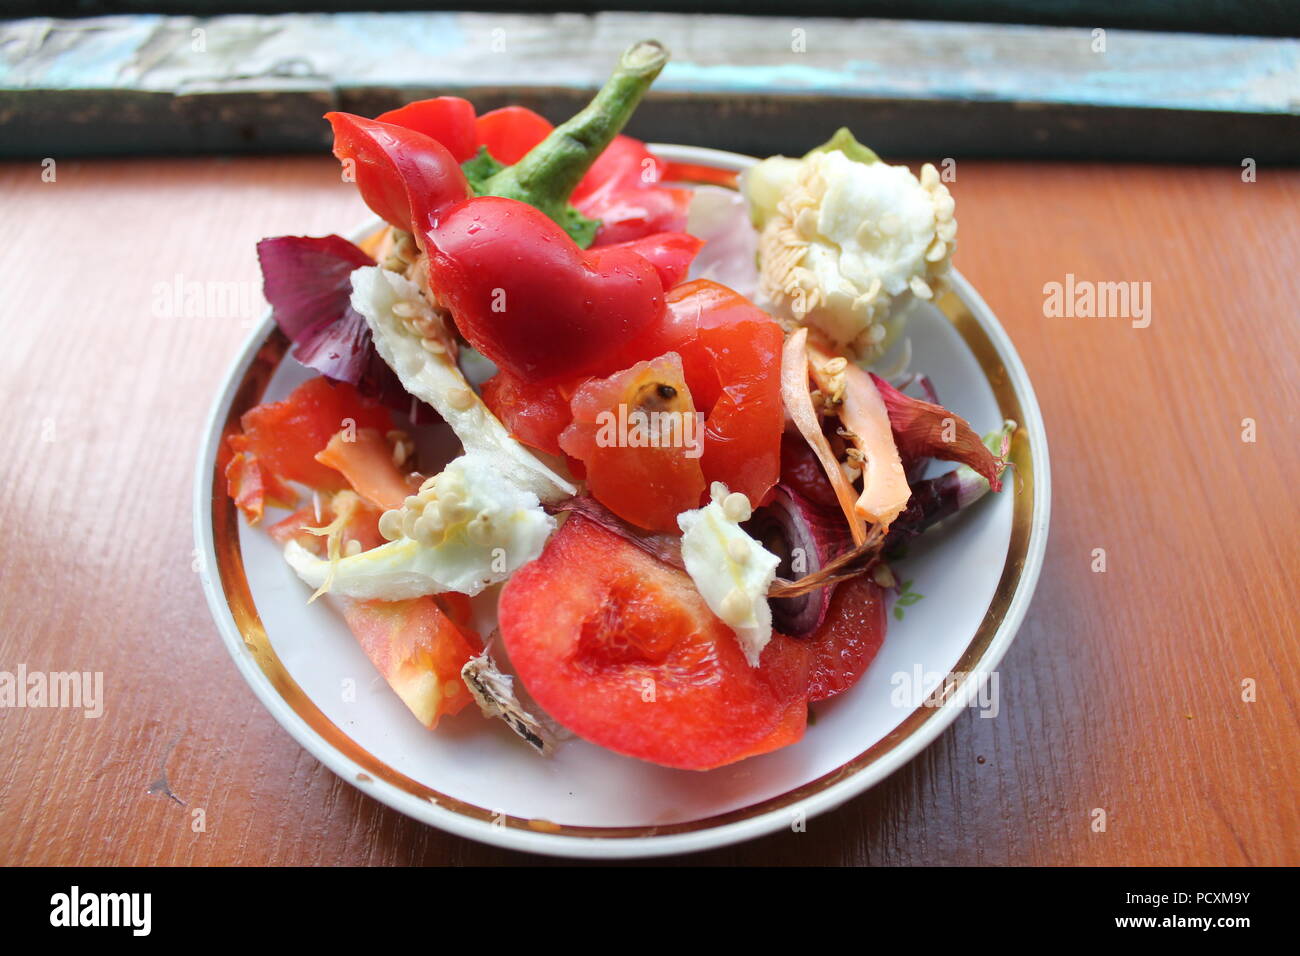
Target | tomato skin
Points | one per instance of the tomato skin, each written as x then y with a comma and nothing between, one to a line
419,650
365,460
849,639
279,442
534,414
363,526
253,488
731,351
647,486
622,650
743,444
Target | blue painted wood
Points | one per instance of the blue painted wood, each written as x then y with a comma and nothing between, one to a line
155,83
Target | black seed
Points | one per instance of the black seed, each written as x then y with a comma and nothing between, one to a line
666,392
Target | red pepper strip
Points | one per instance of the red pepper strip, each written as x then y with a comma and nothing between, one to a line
625,164
671,253
694,173
404,176
448,119
621,190
524,294
925,430
508,133
637,212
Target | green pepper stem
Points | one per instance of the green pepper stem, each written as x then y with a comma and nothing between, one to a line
553,168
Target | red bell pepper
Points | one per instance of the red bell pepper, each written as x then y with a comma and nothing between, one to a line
519,288
612,178
671,253
622,190
523,293
448,119
404,176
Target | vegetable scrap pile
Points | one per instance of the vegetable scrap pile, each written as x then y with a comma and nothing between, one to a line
677,503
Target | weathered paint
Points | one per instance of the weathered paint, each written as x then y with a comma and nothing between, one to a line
742,55
965,89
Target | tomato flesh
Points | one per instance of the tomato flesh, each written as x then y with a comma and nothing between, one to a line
534,414
849,638
279,442
622,650
362,526
364,458
731,353
419,650
638,438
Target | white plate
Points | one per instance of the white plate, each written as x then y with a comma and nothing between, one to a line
474,778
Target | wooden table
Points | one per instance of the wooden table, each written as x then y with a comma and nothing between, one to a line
1123,691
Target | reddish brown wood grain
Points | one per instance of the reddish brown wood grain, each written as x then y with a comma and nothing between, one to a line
1122,692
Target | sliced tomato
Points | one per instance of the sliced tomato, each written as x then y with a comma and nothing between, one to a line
534,414
448,119
743,344
639,440
419,650
364,457
622,650
362,526
286,436
731,352
279,442
253,487
510,132
849,638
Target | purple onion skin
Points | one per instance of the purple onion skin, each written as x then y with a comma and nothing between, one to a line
307,280
789,522
932,500
935,499
914,469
